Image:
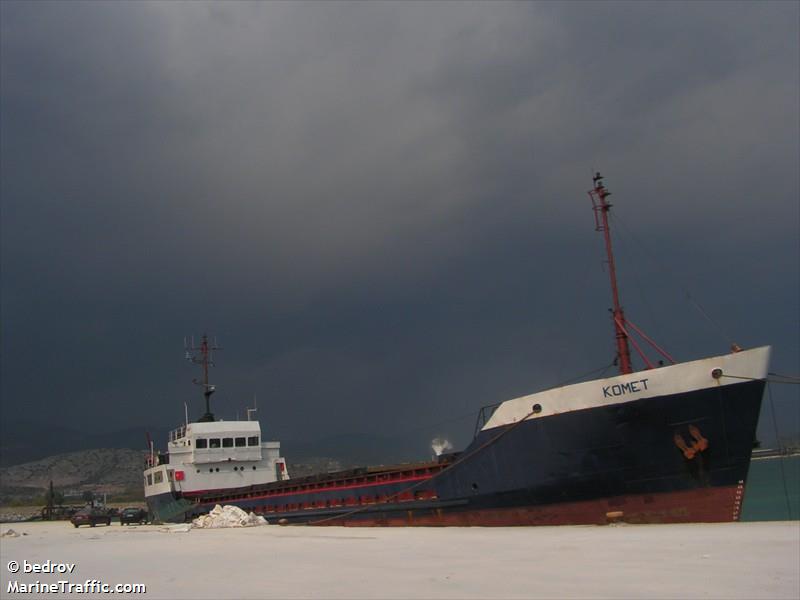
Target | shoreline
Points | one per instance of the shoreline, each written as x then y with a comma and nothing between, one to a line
723,560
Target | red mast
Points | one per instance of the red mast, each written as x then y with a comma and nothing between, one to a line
601,207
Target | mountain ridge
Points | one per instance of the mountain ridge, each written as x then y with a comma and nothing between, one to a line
25,441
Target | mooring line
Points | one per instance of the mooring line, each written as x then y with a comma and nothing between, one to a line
435,475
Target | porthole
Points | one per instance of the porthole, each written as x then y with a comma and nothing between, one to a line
211,470
254,467
537,408
217,469
474,487
716,373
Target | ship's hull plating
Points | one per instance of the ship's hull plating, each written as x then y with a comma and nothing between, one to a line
620,461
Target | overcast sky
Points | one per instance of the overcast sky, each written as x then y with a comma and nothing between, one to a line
380,209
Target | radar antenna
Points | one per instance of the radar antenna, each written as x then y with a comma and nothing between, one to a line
202,355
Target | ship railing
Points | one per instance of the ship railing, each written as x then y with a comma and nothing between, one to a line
484,415
177,434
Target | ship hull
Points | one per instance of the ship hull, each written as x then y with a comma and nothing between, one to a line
617,461
694,506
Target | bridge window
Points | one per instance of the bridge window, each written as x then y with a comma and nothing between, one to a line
241,442
227,442
213,443
158,477
201,443
149,479
252,440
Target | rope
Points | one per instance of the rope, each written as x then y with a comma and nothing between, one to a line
628,253
775,430
790,378
777,440
722,331
419,483
500,435
769,378
601,371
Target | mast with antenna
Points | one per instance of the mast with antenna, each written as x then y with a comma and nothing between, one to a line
622,326
252,411
203,356
601,207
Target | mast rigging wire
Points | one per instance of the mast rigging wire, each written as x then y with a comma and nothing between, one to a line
720,329
777,441
458,461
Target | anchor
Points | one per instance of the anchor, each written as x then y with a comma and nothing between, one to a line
699,444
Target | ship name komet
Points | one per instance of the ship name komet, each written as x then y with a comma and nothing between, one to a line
620,389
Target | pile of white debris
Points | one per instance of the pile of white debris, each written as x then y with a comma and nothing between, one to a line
228,516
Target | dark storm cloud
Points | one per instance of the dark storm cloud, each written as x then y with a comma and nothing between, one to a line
380,208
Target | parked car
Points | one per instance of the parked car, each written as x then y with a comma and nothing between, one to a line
91,517
59,512
133,515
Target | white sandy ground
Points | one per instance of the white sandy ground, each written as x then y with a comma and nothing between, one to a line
736,560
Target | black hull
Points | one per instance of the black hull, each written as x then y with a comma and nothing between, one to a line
620,461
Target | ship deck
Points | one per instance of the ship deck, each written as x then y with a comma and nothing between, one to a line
347,479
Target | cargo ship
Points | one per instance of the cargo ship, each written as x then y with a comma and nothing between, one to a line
667,443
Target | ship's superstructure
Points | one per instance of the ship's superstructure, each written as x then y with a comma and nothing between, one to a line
209,455
667,443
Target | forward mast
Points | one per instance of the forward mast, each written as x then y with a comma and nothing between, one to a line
622,326
601,208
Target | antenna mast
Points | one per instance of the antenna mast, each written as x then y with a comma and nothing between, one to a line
203,356
252,411
601,207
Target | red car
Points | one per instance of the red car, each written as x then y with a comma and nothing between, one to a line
91,517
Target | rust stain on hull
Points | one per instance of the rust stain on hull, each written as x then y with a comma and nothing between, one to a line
708,505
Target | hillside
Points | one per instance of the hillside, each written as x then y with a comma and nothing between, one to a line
105,463
114,471
26,441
